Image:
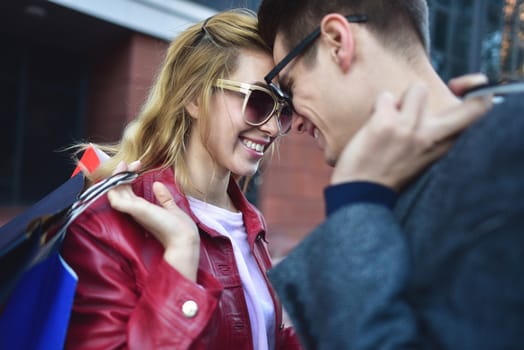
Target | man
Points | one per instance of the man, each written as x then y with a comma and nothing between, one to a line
442,267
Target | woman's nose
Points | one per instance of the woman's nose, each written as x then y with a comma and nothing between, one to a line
271,126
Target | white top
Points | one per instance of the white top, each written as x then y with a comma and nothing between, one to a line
259,302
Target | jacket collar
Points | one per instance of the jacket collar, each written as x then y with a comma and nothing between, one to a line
253,220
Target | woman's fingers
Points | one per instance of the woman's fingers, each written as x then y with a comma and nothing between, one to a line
122,197
134,166
170,211
122,166
172,227
163,196
167,222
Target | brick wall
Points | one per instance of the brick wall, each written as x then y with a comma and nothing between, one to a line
120,80
291,192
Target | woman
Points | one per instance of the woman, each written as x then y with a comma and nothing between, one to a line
186,284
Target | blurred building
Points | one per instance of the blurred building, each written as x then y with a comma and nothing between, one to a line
74,70
481,35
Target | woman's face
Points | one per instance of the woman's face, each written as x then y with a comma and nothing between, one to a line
235,145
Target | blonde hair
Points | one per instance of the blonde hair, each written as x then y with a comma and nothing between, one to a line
194,61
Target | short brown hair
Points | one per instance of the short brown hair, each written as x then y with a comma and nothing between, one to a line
396,23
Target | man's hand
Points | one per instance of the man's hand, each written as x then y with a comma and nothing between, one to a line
402,139
463,83
175,230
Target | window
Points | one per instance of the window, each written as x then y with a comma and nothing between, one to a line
466,36
42,92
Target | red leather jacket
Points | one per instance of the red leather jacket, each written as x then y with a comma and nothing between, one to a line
129,297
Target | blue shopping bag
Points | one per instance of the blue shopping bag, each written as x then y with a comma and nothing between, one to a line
37,287
22,239
36,315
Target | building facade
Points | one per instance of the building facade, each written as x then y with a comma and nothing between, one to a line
481,35
73,70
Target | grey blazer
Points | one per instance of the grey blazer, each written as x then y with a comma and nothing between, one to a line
445,270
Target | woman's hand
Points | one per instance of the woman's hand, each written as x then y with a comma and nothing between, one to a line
175,230
401,139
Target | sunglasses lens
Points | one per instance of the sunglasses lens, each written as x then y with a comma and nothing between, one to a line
259,107
286,119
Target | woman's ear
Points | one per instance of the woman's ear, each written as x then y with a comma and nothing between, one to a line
193,108
338,35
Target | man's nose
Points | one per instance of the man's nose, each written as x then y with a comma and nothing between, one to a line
299,123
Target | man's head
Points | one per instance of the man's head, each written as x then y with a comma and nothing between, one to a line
363,47
396,23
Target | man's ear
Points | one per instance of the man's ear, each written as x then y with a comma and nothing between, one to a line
337,33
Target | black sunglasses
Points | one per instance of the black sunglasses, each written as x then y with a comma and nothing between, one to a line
297,50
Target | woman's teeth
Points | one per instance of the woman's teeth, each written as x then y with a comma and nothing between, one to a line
254,146
316,133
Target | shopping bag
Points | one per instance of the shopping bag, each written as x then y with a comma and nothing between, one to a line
36,315
19,243
36,285
21,239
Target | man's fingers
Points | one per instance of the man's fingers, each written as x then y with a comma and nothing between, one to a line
459,117
413,105
463,83
385,100
384,105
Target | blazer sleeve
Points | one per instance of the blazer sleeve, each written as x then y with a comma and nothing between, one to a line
343,284
346,285
111,310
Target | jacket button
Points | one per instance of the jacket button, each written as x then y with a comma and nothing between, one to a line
189,308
